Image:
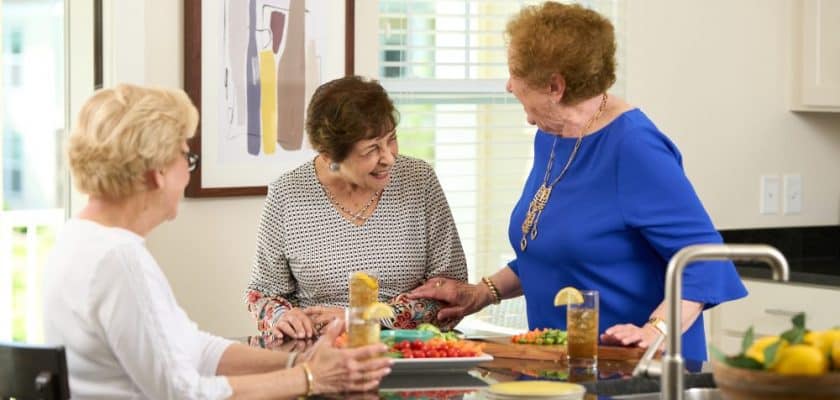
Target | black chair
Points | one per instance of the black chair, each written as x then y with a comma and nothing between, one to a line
33,372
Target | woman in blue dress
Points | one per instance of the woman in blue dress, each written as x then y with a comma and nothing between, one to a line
607,202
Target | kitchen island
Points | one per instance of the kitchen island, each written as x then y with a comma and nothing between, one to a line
511,363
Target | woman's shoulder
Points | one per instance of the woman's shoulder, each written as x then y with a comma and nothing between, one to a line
635,135
412,165
301,175
635,128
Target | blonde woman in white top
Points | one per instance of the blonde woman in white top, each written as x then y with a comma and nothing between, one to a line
108,301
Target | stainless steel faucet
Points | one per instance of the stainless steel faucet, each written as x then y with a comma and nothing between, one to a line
672,364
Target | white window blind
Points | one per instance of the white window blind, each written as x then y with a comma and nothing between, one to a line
444,63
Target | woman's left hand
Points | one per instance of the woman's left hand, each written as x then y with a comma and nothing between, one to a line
630,335
321,316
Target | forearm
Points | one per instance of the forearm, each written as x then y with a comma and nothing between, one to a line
691,310
239,359
507,283
284,384
266,309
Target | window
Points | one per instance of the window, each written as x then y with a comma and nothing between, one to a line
31,184
444,63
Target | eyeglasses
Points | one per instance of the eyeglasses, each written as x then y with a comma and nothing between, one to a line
192,160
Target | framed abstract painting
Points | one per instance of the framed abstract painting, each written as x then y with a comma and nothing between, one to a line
250,66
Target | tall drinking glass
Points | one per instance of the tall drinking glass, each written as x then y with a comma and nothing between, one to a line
362,330
582,331
364,288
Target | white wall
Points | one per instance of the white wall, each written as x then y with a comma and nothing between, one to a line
712,75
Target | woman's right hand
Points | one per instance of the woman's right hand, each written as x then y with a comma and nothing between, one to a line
458,298
294,323
345,370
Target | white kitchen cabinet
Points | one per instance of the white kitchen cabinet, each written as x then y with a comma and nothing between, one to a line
769,308
816,55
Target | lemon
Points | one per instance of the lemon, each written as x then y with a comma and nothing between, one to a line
378,310
756,351
835,354
801,359
819,340
832,335
568,295
364,289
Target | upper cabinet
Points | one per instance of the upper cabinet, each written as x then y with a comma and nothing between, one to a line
816,56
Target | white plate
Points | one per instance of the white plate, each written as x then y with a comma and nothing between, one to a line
435,365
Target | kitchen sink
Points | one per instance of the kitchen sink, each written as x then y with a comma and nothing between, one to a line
690,394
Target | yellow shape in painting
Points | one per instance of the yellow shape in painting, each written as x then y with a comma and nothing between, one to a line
378,310
568,295
268,101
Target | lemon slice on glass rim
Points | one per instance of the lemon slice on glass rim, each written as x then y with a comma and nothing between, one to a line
378,310
568,295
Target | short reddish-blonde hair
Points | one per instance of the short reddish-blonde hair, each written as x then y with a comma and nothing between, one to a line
571,41
124,131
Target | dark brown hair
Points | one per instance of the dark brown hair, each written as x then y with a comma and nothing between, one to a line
567,40
345,111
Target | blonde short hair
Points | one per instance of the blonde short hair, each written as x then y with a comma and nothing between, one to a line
123,132
566,39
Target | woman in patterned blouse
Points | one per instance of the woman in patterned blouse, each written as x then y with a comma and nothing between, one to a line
357,206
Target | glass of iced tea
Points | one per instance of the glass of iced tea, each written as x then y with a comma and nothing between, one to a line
364,288
582,331
361,329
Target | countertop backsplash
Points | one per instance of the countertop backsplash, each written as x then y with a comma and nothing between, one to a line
813,253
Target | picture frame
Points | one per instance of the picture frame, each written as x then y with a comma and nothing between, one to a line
219,174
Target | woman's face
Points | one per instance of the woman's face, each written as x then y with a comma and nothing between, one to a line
536,102
369,163
176,176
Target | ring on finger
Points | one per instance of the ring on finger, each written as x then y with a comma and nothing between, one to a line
439,283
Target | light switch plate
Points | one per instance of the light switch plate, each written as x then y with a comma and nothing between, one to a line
792,203
770,191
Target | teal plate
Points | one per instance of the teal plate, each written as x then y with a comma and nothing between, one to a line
398,335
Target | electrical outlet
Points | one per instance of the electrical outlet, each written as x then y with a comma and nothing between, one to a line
793,194
770,190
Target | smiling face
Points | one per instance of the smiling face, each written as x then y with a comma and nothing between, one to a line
368,166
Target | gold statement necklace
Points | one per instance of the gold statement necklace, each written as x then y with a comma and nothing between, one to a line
532,217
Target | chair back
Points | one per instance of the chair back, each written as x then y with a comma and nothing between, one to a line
33,372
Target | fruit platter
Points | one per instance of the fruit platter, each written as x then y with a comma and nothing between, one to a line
433,352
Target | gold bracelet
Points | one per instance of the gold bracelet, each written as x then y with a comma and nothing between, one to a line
310,379
493,291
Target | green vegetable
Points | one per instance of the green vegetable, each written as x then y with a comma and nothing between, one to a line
428,327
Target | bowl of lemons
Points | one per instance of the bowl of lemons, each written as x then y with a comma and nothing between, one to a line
797,364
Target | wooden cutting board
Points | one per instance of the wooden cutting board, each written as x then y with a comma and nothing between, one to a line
503,348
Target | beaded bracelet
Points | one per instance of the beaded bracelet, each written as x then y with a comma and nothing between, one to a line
310,379
493,291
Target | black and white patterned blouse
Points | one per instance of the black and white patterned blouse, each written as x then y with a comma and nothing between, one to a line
306,250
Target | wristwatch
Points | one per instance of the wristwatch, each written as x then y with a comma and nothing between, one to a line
659,324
